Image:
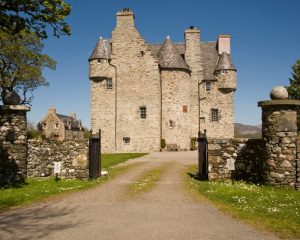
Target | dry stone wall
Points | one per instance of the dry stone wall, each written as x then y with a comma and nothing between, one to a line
247,155
73,156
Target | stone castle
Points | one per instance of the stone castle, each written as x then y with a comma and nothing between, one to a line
142,93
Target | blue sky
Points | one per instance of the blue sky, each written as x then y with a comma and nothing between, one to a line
265,42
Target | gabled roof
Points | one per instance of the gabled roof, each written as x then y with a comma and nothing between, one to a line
169,57
224,63
102,49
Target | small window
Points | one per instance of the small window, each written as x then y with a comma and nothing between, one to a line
142,53
214,115
99,60
208,85
126,140
109,84
143,112
171,124
184,108
202,119
56,125
44,125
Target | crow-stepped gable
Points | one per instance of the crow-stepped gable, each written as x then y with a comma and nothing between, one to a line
142,93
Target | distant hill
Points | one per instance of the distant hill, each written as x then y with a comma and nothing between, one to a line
247,131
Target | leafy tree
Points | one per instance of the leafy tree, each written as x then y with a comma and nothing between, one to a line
294,88
34,16
21,64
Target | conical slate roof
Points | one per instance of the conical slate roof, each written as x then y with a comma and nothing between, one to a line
102,50
224,63
169,57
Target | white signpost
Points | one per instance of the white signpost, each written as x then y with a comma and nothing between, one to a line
57,167
230,164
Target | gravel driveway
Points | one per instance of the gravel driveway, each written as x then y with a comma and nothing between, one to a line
107,212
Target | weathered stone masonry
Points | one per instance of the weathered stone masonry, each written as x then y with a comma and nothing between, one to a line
73,156
13,144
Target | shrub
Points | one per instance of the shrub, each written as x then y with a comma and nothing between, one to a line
163,143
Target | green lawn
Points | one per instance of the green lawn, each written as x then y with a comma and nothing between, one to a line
37,189
272,208
109,160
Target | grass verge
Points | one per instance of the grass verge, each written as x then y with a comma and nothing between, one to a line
271,208
146,182
109,160
39,189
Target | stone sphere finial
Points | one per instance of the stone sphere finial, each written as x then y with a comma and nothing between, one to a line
11,98
279,92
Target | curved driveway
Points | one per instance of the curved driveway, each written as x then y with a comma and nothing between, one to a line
107,212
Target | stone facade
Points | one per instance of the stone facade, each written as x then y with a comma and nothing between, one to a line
73,156
59,127
137,89
13,144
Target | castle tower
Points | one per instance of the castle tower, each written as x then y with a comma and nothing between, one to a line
103,90
193,60
138,104
175,76
225,73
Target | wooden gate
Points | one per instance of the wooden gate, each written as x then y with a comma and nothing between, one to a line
95,155
202,156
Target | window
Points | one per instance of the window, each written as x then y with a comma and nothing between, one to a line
56,125
214,115
142,53
44,125
99,60
171,123
143,112
126,140
202,119
109,84
208,85
184,108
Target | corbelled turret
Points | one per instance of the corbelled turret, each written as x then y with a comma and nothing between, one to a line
225,72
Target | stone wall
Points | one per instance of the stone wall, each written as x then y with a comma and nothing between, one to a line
13,144
73,156
247,154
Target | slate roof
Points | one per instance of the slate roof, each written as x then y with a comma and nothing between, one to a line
70,122
224,63
169,56
102,49
175,53
209,54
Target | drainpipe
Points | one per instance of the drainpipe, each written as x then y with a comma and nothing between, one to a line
116,75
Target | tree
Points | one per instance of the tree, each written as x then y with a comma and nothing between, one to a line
34,16
294,88
21,64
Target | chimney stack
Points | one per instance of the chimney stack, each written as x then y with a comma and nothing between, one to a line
125,18
224,43
52,110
